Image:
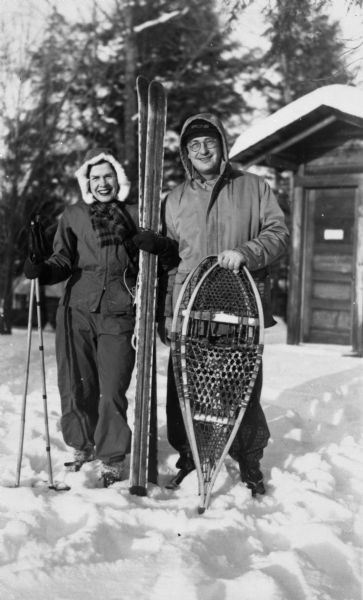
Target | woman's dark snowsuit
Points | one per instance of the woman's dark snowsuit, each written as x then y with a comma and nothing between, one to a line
95,323
95,318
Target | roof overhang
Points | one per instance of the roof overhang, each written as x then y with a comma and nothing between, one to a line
289,136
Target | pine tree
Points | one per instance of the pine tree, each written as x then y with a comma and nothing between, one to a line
304,54
34,180
180,42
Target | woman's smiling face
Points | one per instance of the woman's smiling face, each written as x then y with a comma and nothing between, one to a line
103,182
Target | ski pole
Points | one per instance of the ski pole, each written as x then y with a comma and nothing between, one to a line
35,290
37,250
23,410
44,387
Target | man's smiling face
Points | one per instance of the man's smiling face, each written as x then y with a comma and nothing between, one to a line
205,154
103,182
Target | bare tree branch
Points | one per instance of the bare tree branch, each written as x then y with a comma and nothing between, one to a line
164,18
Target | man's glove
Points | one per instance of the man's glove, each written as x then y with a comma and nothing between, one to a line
34,270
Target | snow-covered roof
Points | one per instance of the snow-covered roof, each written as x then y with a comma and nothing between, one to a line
277,127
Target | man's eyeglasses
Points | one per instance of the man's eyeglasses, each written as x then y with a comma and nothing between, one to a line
196,146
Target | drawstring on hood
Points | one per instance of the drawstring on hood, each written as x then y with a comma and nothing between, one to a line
211,122
93,157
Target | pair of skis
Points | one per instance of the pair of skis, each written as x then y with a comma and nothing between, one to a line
151,130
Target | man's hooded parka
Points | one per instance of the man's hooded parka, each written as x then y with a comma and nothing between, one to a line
237,210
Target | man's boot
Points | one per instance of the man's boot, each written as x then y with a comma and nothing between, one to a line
252,476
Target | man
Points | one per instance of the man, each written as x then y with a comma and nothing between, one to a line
95,248
221,211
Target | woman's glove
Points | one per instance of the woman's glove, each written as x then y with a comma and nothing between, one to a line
149,241
34,270
162,246
38,250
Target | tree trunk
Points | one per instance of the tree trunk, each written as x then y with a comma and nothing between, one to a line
128,152
287,95
6,300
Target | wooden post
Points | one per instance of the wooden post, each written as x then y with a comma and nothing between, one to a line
295,270
357,340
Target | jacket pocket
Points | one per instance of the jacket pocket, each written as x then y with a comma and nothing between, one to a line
117,300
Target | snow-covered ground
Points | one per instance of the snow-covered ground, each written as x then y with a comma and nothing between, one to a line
302,541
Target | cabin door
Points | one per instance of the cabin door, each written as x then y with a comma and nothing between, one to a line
328,265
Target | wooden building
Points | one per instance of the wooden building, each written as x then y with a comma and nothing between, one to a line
319,138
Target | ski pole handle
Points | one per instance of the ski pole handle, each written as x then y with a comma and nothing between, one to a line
38,247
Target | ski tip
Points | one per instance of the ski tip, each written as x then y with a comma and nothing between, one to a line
156,88
138,490
141,81
201,510
155,83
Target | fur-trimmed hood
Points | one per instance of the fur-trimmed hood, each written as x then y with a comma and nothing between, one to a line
92,157
216,124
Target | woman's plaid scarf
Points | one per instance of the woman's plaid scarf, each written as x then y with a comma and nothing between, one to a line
114,226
